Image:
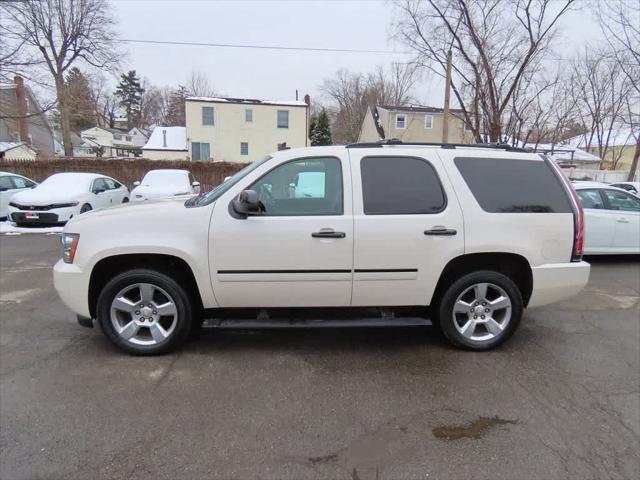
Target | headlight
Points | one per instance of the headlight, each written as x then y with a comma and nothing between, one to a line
65,205
69,246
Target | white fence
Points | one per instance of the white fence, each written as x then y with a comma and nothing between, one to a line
607,176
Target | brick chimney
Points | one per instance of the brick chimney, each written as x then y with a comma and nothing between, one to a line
21,109
307,100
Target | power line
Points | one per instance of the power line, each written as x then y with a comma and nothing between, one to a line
263,47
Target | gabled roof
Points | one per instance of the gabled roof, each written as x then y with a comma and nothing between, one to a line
6,146
248,101
416,109
176,139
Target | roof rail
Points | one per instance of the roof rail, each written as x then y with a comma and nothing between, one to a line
396,141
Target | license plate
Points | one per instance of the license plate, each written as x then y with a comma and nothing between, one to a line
32,215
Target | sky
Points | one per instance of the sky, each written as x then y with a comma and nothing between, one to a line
276,74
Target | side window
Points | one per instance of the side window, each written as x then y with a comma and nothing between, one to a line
308,186
400,186
99,184
428,122
111,185
504,185
622,201
19,182
5,184
590,199
200,151
400,121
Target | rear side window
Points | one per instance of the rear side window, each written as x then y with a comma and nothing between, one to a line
502,185
400,186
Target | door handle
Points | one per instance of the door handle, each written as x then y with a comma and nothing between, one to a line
622,220
441,231
328,234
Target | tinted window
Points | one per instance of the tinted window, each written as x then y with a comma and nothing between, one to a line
309,186
622,201
401,186
590,199
99,184
514,186
5,183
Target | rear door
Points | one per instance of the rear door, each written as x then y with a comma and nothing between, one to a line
625,210
599,223
407,225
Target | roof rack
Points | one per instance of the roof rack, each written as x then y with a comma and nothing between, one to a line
396,141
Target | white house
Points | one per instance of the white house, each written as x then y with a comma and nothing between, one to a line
112,142
139,136
167,143
16,151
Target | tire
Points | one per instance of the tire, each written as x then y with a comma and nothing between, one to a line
125,200
124,322
496,313
85,208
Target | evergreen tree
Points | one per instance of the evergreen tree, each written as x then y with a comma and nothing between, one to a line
176,113
79,100
320,129
129,93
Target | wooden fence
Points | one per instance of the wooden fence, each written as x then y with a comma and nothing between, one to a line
126,171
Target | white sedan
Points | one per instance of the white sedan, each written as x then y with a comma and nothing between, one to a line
63,195
10,184
632,187
163,184
612,219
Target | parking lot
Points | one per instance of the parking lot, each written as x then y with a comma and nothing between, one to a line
560,400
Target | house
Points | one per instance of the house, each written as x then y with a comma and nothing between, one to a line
22,119
243,129
621,145
16,151
110,142
412,124
167,143
139,136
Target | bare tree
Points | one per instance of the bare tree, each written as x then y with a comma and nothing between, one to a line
155,105
495,45
350,94
199,85
620,23
62,33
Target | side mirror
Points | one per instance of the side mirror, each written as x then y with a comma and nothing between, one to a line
226,178
136,183
98,191
247,203
196,186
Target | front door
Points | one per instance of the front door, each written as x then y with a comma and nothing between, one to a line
407,226
299,252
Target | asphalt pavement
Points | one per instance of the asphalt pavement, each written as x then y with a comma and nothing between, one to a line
560,400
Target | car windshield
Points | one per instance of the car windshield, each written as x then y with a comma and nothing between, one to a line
216,192
165,178
65,182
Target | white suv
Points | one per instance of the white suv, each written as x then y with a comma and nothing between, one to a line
463,237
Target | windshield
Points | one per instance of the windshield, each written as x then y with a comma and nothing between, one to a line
216,192
66,182
165,178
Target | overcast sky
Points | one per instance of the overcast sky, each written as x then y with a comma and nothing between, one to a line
273,74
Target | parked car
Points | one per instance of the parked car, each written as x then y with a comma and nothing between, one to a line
65,195
163,184
396,234
10,184
612,219
631,187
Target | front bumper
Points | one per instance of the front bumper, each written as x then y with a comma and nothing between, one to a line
72,285
557,281
45,217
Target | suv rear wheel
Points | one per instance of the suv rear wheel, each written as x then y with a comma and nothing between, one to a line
145,312
480,310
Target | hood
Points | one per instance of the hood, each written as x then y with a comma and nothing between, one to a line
44,196
148,191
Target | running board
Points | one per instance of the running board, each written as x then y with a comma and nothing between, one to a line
316,323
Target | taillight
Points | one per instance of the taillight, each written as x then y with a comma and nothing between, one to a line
578,213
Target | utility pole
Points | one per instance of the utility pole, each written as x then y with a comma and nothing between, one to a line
447,95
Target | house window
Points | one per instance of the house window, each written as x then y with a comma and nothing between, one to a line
207,115
248,115
428,122
200,151
117,136
283,118
400,121
127,138
244,148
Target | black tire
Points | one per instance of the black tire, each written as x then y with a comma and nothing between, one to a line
125,200
178,294
85,208
445,315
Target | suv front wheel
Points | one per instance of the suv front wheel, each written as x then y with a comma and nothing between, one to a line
144,312
480,310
